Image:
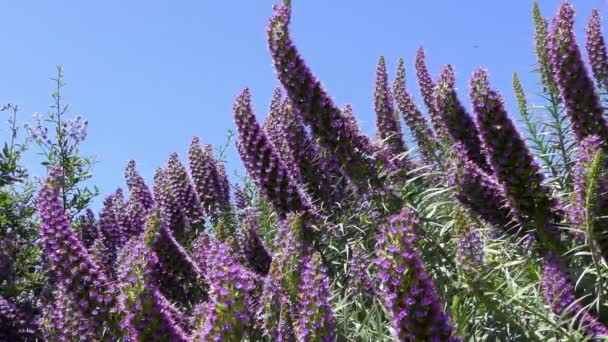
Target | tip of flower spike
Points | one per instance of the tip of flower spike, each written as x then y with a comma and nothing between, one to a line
479,81
565,17
195,141
420,55
447,78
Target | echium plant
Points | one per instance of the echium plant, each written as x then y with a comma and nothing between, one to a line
59,140
327,123
458,123
85,284
581,103
410,296
421,131
596,50
387,121
140,200
148,316
510,158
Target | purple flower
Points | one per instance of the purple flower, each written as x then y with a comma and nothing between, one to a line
183,192
559,296
16,324
69,262
140,200
240,198
456,120
263,163
427,89
88,228
208,179
470,254
422,133
316,319
327,123
387,121
148,316
596,49
576,88
360,281
511,160
410,295
228,316
112,219
251,244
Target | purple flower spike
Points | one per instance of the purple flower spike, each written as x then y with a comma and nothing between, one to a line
410,295
541,32
140,200
586,152
470,254
387,120
316,321
148,316
183,191
327,123
240,199
428,89
559,296
88,228
209,179
360,281
576,88
69,321
480,193
17,324
69,262
422,133
112,219
228,317
263,162
253,248
457,121
511,160
596,49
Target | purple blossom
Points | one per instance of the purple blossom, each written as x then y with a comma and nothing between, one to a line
457,121
148,316
470,254
86,286
228,317
559,296
264,164
67,320
387,121
140,200
277,312
422,133
112,237
510,158
88,228
596,49
240,198
183,192
410,296
251,244
16,324
428,89
327,123
359,280
576,88
316,319
207,179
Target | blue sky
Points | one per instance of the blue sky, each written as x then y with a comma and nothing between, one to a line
150,75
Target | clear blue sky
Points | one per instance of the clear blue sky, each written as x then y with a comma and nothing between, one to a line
150,75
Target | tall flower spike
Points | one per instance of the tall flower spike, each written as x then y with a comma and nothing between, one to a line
207,178
16,324
184,194
596,49
326,121
422,133
387,121
228,317
427,89
457,121
559,296
263,163
253,248
470,254
147,314
85,284
587,150
88,228
410,295
511,160
138,190
317,322
541,32
480,192
581,103
240,199
275,127
113,232
67,321
359,281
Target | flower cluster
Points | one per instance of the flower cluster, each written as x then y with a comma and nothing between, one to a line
456,120
410,295
387,120
358,276
327,123
253,248
17,324
559,296
596,49
576,88
470,254
424,135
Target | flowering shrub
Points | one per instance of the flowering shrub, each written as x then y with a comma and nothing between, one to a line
477,231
